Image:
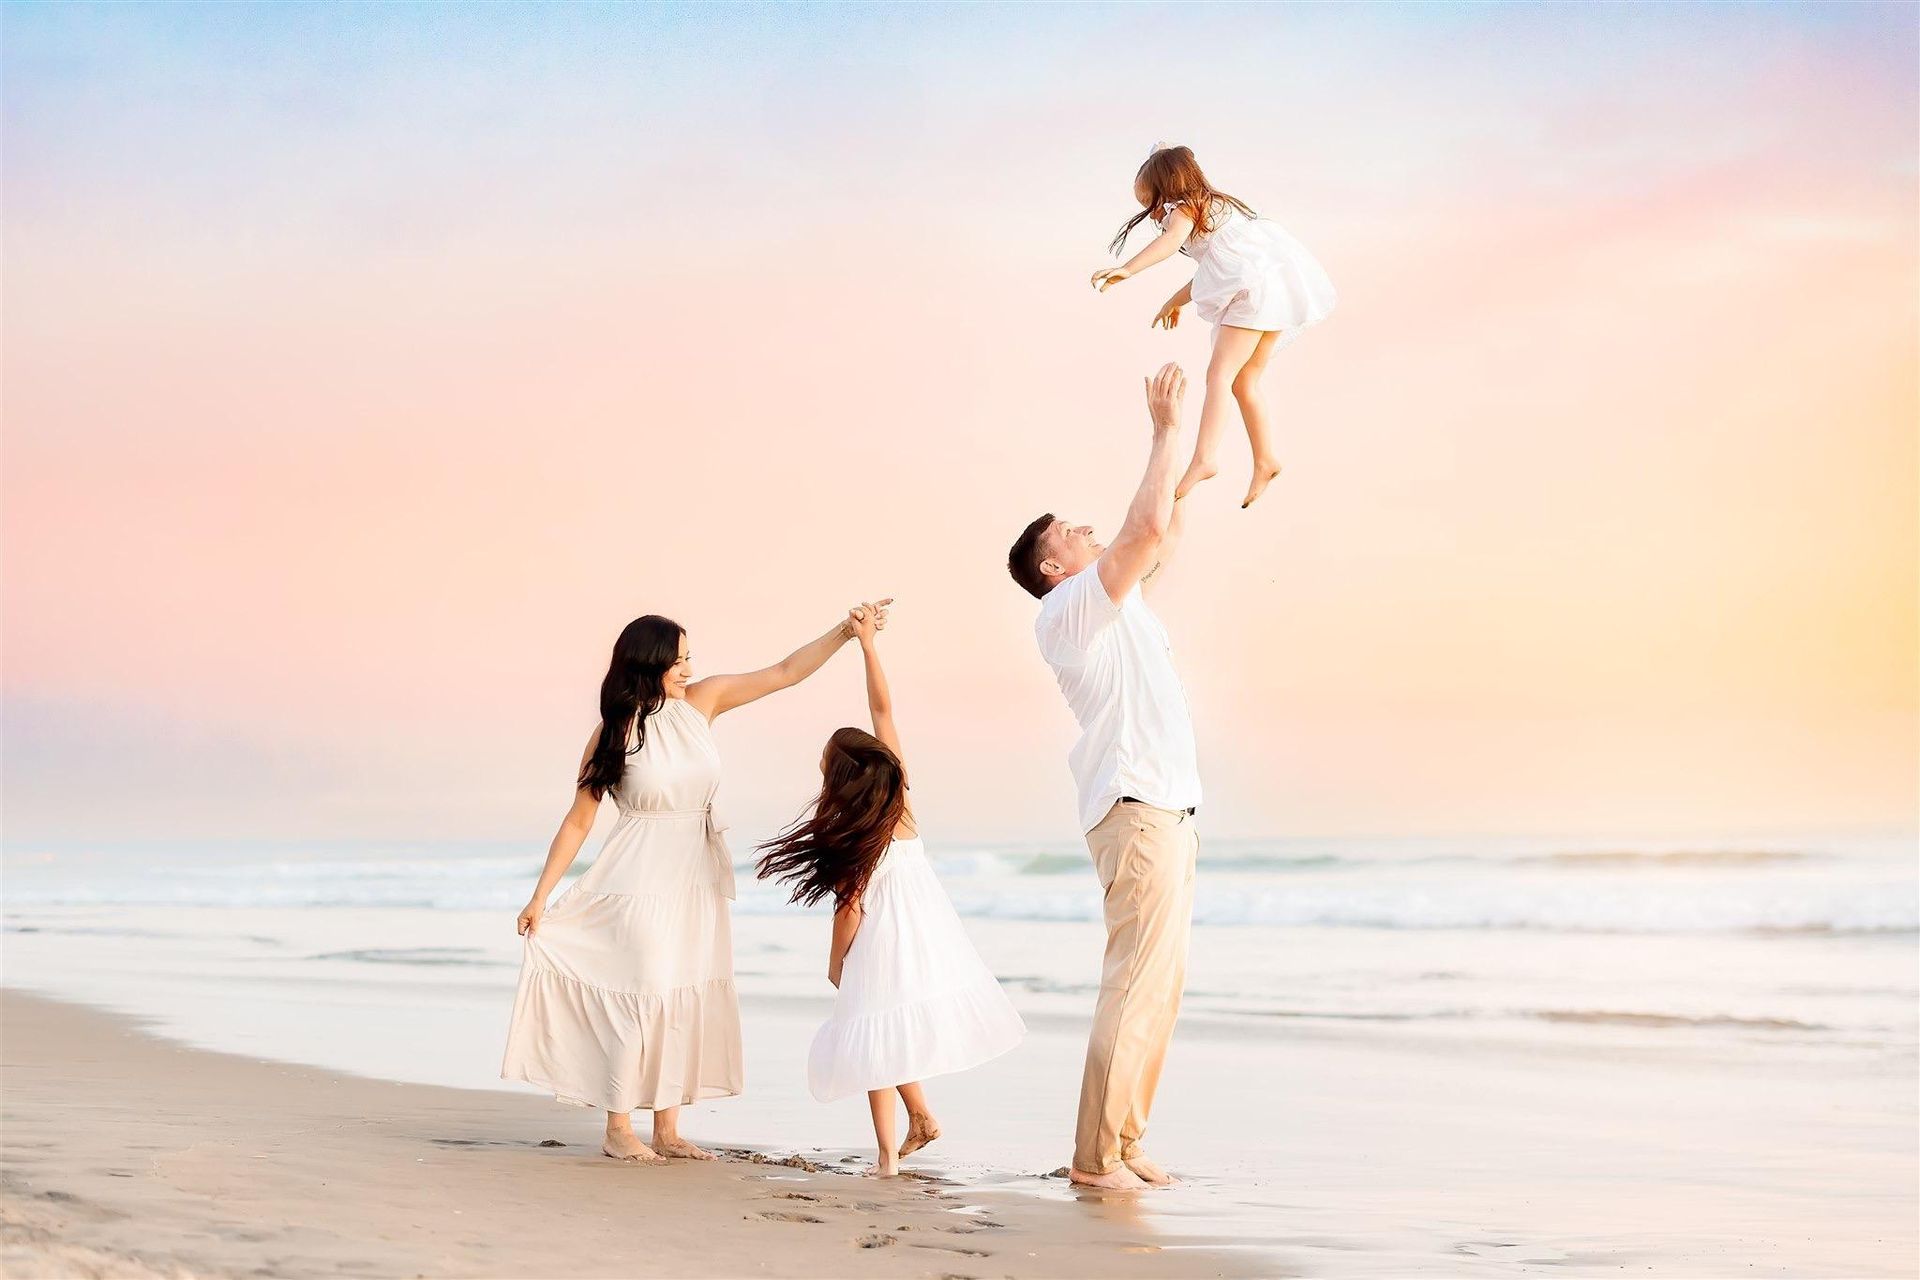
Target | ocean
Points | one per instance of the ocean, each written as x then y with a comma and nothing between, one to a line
1807,937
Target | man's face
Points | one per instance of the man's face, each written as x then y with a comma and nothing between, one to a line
1068,548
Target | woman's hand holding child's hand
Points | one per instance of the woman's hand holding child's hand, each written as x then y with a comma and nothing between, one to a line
865,621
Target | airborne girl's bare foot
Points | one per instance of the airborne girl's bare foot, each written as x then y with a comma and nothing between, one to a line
680,1149
1149,1172
625,1144
922,1128
1120,1179
1264,471
1197,471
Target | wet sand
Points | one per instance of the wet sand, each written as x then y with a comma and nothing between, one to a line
128,1155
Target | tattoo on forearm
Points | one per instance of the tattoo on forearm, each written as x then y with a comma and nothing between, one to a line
1148,576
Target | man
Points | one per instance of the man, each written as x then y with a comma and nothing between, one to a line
1139,783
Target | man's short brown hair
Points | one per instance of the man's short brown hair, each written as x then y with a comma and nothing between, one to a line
1023,562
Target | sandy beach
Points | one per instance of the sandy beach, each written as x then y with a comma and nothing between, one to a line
127,1155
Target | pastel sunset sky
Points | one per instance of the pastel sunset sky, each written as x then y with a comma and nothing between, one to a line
367,367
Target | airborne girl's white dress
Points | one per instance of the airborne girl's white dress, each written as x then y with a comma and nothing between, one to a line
1248,272
915,998
626,993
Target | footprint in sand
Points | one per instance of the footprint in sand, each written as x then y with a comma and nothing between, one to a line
779,1216
874,1241
954,1248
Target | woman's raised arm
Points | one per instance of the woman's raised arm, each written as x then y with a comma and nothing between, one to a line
717,695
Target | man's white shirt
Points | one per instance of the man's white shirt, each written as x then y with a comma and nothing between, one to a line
1115,666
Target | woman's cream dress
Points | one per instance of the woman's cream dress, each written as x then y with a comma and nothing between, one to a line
626,988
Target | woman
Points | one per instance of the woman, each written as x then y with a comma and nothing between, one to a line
626,993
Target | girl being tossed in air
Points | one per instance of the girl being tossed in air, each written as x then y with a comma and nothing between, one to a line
1255,283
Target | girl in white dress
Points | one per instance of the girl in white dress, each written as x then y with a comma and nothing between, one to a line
915,999
1255,283
626,997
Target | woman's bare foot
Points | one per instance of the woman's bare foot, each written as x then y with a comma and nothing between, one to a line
1121,1179
1149,1172
921,1129
1264,471
680,1149
1197,470
626,1145
885,1167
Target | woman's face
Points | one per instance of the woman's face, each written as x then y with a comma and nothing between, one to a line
674,683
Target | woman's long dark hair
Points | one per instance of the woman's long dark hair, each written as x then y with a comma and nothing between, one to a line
1172,176
632,690
834,847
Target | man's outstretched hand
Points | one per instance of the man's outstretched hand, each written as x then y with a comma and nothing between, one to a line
1165,390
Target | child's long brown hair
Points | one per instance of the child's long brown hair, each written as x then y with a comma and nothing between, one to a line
834,847
1172,176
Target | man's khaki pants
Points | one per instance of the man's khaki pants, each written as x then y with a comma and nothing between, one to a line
1145,857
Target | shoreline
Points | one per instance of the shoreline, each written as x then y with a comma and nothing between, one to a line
130,1155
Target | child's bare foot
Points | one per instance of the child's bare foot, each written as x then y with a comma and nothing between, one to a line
885,1167
921,1129
1264,471
1121,1179
681,1149
1197,471
627,1146
1149,1172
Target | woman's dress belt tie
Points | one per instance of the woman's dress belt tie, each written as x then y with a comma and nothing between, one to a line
716,837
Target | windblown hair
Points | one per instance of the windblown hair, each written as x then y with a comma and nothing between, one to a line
1172,176
634,688
1023,560
834,847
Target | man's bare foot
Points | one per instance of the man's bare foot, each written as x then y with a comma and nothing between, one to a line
1264,471
627,1146
921,1130
1149,1172
885,1167
681,1149
1196,472
1120,1179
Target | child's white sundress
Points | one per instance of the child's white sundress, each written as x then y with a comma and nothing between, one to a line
1250,273
916,1000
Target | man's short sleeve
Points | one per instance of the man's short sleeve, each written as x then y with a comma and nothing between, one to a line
1075,615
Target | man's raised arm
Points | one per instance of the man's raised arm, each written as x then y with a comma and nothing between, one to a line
1136,548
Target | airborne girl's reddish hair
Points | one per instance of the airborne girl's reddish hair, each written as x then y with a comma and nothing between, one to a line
1172,176
835,846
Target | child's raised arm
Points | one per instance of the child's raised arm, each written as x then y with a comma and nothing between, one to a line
866,622
1164,246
